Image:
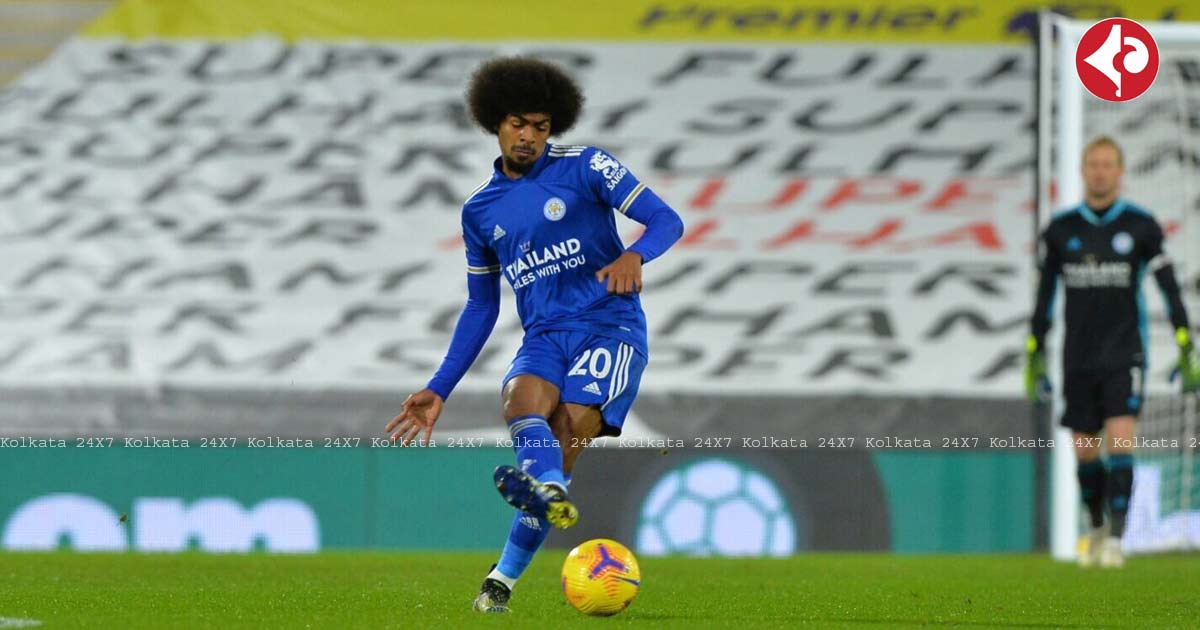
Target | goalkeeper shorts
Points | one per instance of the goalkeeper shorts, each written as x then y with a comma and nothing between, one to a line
1095,395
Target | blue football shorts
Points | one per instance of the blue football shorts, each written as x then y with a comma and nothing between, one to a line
587,369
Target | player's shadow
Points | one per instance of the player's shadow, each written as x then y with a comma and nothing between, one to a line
892,623
889,623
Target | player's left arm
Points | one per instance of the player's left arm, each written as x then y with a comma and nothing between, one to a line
620,189
1159,263
1049,264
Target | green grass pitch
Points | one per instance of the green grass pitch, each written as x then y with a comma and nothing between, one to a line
434,590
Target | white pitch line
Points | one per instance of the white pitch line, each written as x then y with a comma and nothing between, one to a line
14,622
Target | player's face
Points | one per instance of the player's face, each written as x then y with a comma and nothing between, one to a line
522,139
1102,172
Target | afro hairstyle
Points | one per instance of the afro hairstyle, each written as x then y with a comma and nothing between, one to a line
523,85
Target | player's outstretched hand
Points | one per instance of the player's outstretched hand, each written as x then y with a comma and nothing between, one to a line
418,414
1187,368
1037,382
624,275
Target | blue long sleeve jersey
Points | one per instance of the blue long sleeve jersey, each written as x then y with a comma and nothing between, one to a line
548,233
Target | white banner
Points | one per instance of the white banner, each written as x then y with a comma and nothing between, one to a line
254,214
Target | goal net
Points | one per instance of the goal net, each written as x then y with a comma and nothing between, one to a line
1159,133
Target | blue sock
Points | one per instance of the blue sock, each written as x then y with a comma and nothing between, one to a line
524,538
538,453
1093,479
1120,487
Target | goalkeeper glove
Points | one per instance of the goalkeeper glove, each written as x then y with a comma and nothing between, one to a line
1187,368
1037,382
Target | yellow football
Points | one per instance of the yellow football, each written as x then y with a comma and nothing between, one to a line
601,577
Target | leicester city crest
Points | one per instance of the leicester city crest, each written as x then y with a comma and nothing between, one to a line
554,209
1122,243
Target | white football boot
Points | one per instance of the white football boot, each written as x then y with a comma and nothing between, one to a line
1090,556
1111,556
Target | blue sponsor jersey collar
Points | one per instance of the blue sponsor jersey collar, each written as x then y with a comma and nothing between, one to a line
1111,215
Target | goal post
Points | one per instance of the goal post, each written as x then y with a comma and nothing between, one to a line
1158,132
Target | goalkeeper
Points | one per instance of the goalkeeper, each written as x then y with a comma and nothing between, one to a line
1101,249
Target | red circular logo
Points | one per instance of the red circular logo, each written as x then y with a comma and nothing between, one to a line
1117,59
